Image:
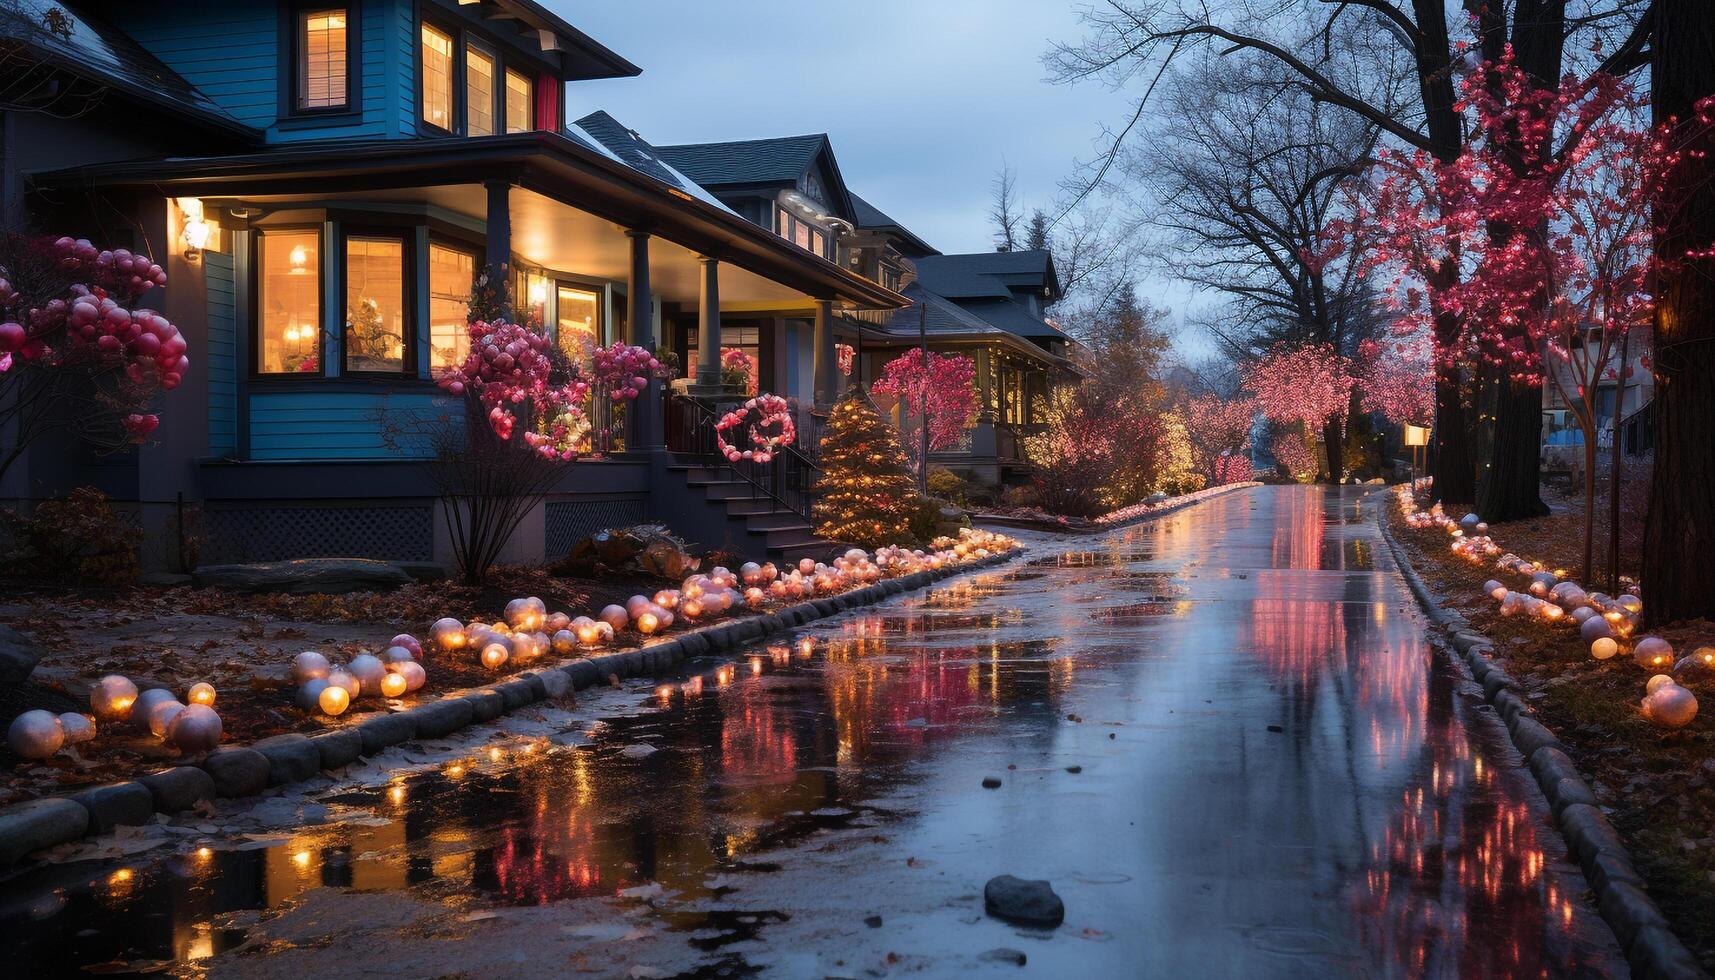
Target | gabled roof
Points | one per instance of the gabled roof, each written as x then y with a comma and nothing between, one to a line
608,135
980,273
870,217
89,47
781,160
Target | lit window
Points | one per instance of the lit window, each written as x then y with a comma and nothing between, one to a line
376,329
450,274
478,93
816,242
801,234
289,306
437,78
519,94
578,322
321,59
785,224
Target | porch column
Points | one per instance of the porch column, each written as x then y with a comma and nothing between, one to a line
709,327
984,393
499,229
822,355
646,410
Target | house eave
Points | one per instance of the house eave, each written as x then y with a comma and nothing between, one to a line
542,161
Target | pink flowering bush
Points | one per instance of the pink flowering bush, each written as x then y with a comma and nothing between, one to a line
739,370
1219,430
945,384
511,372
76,351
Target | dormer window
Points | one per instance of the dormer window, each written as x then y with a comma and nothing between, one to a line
437,62
321,59
520,99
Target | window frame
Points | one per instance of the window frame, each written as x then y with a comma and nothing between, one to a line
455,105
596,288
506,59
477,253
257,263
291,16
496,90
407,296
506,96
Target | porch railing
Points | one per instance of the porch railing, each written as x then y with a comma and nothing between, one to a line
788,480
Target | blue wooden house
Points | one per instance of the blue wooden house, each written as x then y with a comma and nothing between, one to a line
322,182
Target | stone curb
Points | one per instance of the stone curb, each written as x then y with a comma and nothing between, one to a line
1651,948
235,771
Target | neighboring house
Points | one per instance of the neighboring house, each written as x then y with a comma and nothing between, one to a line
347,169
1635,394
988,306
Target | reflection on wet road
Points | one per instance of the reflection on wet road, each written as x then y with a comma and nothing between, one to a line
1220,736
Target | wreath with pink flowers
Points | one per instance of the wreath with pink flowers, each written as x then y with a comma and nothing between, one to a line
770,410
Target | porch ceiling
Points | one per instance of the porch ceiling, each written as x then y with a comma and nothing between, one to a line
558,236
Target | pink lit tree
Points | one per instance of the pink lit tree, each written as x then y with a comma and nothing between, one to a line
1220,433
78,356
1396,378
941,385
1310,385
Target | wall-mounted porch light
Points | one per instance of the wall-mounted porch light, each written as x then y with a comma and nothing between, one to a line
195,232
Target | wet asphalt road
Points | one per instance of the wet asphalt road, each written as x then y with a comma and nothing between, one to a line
1221,736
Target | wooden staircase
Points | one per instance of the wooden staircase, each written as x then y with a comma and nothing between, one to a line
759,525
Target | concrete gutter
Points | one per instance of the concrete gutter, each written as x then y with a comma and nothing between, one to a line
238,771
1651,948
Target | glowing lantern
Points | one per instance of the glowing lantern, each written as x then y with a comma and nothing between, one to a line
1671,706
751,572
1655,683
393,685
614,616
161,715
755,597
588,631
647,622
564,641
806,646
201,693
1595,628
77,728
344,680
636,604
368,670
196,728
556,622
413,673
112,697
36,734
494,655
1604,648
1653,653
1494,589
667,598
692,608
448,633
308,666
334,700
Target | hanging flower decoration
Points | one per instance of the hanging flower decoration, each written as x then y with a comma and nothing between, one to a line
622,370
772,410
844,356
509,371
738,369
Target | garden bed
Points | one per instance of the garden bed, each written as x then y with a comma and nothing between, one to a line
1657,788
244,645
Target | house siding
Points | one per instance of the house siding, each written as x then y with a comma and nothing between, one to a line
231,50
335,424
222,354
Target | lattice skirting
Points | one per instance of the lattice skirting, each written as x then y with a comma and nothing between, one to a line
569,521
245,533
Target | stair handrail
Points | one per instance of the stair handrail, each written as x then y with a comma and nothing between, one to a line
706,416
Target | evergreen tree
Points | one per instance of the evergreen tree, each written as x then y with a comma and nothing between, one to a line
1036,235
865,494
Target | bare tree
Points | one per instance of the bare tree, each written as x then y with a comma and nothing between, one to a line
1135,43
1004,211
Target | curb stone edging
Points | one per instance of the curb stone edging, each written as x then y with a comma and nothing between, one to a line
1651,948
37,824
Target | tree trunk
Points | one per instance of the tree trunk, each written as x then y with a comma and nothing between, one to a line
1331,439
1455,481
1679,533
1587,572
1509,489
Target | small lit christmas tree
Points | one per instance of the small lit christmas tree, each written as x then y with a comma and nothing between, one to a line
865,494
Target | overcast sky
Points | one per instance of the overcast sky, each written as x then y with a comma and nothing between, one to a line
923,99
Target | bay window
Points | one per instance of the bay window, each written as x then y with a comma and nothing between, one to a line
520,99
451,272
321,67
289,302
437,65
378,332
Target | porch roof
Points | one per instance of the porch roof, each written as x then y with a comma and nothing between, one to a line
569,170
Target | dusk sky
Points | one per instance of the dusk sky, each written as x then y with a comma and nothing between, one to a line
923,101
